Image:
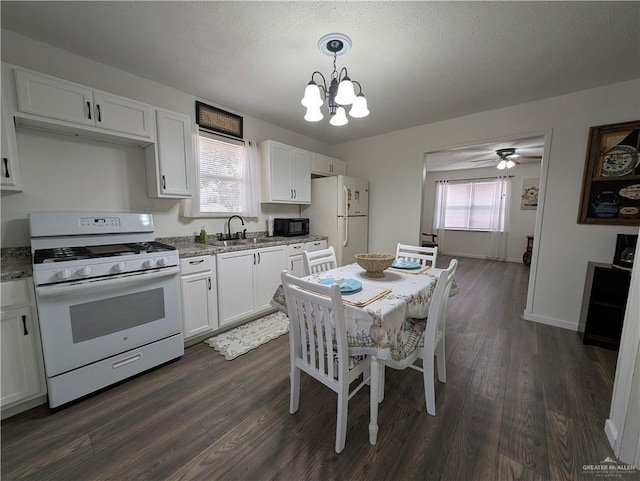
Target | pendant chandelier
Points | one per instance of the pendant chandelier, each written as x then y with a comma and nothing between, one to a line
340,92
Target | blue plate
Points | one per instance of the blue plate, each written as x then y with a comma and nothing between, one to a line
405,264
350,285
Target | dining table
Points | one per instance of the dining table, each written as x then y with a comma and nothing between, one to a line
378,314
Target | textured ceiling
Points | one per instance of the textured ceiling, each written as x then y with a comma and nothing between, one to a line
418,62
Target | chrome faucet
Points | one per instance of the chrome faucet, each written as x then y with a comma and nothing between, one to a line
229,226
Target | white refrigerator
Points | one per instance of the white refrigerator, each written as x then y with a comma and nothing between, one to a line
340,210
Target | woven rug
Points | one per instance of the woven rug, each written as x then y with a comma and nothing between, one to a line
242,339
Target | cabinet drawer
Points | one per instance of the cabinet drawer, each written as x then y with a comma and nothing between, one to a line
315,245
192,265
15,293
296,249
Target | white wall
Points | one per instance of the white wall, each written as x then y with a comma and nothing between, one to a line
67,173
393,163
473,244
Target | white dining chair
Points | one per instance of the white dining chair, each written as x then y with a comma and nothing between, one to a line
319,261
422,255
428,340
318,345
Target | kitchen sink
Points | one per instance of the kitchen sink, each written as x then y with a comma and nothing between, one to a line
239,242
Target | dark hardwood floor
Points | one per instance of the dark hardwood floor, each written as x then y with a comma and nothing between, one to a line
522,401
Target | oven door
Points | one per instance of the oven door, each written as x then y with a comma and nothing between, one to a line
81,323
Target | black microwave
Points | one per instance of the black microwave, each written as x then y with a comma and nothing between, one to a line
290,227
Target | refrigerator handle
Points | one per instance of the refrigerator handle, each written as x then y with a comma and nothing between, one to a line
346,201
346,231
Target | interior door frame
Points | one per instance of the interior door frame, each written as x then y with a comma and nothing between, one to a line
544,171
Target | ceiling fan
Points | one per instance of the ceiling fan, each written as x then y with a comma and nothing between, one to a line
507,158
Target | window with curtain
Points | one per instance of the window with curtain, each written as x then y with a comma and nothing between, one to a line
477,205
223,176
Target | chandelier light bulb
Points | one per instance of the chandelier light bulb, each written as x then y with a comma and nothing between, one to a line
359,108
340,118
346,95
312,97
502,165
313,114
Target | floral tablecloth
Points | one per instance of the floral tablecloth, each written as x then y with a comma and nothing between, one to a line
383,328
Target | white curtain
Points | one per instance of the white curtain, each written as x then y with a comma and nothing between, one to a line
499,220
440,213
252,192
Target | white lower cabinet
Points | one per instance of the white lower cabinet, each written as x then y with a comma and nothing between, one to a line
20,355
296,260
248,280
199,296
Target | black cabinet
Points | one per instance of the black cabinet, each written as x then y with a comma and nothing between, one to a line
603,305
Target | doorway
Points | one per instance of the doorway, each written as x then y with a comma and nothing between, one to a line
480,160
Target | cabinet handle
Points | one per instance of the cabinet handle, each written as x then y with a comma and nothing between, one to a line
24,326
193,263
6,167
89,109
164,183
99,116
258,258
291,265
291,194
295,194
254,258
209,283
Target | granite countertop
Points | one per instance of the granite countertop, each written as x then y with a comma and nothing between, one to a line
187,247
15,262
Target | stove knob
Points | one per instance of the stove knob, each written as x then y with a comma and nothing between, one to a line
119,267
148,264
163,261
84,271
63,274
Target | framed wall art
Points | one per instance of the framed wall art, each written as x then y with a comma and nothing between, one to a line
611,180
530,191
219,121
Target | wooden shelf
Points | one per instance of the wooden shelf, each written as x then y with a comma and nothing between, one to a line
603,305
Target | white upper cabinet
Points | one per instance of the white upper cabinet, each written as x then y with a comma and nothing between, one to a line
122,115
57,99
286,173
10,170
326,166
67,104
170,160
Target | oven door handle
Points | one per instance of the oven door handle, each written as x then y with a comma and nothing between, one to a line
52,291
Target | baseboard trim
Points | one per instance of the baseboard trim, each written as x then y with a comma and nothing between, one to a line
612,433
7,412
477,256
549,321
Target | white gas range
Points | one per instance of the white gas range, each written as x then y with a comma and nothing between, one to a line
108,299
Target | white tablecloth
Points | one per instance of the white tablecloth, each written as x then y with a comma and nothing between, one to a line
380,328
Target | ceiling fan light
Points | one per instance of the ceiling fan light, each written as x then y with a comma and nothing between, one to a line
312,96
502,165
340,118
313,114
510,164
346,95
359,107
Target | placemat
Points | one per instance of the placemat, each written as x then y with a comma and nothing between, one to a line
365,296
422,270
